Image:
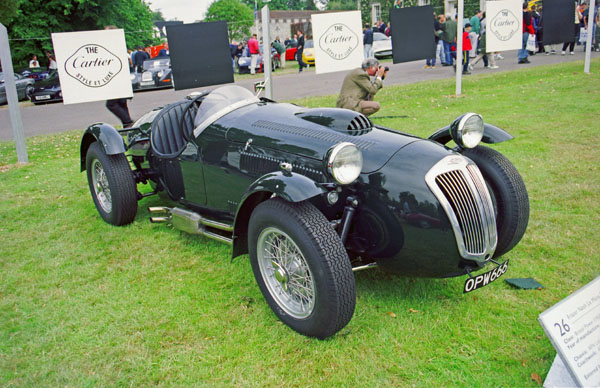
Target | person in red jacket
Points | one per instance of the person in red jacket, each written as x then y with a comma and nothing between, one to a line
527,29
466,48
254,53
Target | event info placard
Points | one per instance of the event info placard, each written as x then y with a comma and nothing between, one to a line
573,327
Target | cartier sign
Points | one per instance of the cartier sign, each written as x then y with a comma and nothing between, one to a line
93,65
504,25
338,41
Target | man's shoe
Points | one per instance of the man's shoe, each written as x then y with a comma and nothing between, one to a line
572,53
470,67
526,60
492,67
499,56
563,52
547,52
433,67
466,72
521,61
426,67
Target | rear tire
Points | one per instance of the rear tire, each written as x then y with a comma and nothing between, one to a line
301,267
112,185
509,195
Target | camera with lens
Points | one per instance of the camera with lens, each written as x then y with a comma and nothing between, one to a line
385,69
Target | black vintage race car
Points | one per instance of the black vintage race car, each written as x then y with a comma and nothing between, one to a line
315,194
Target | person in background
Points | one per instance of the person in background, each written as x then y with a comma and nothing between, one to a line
300,50
539,29
358,90
430,62
164,52
481,49
466,48
527,29
254,52
475,31
382,26
448,37
280,48
139,56
33,63
118,106
368,41
51,61
571,43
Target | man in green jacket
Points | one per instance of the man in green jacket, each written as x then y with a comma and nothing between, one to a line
448,37
358,89
475,28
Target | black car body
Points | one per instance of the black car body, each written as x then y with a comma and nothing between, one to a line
47,90
24,87
157,74
314,194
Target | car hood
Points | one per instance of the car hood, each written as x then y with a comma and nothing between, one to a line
310,132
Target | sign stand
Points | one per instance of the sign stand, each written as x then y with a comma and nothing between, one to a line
11,96
573,327
266,17
590,36
459,46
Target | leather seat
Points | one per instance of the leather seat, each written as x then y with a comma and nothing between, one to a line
173,127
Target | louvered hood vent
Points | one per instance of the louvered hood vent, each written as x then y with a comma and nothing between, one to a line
341,120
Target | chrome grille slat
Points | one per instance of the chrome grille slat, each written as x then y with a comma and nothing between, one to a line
461,190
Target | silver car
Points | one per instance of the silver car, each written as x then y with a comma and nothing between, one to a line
24,87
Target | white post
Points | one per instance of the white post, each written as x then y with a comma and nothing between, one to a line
590,35
459,46
266,17
10,87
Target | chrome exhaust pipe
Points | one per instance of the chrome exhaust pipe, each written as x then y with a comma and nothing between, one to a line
191,222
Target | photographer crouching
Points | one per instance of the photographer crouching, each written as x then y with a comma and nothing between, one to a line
358,89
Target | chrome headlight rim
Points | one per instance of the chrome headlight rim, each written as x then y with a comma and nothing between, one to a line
457,131
334,172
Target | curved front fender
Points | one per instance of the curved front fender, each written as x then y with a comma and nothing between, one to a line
491,135
110,139
289,186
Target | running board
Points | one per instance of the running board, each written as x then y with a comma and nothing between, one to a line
191,222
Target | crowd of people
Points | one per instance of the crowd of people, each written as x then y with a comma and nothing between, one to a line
474,38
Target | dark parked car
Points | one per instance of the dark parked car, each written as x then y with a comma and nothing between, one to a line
157,74
37,73
47,90
315,194
24,87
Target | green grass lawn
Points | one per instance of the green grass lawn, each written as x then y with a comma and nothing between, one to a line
83,303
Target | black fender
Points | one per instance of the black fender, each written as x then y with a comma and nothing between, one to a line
491,135
288,186
111,140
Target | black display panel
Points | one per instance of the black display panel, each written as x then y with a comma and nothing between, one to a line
200,54
412,33
558,20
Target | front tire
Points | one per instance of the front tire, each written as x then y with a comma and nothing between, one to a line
509,195
301,267
112,185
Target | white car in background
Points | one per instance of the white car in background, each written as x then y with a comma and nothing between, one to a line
382,45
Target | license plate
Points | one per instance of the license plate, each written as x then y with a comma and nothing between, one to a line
43,97
147,77
482,280
147,83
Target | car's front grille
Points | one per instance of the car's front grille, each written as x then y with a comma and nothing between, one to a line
460,188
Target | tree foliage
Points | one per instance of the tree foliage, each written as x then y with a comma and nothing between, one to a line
34,20
285,5
239,17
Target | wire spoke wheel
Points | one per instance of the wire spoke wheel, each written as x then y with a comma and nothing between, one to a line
286,273
101,186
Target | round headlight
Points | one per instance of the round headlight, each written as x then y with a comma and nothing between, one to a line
467,130
345,163
160,74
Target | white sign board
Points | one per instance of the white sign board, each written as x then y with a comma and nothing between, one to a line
504,27
338,41
92,65
573,326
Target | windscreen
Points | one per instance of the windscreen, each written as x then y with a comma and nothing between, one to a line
222,100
